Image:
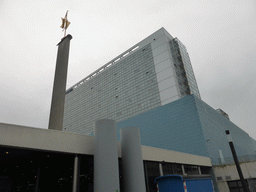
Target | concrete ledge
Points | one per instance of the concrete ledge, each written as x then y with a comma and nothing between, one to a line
59,141
45,139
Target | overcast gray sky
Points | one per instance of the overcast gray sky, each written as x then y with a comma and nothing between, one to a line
220,36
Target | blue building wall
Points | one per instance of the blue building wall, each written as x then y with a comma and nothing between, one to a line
175,126
189,125
253,144
214,125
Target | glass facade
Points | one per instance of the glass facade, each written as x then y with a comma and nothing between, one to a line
126,89
185,75
28,170
152,73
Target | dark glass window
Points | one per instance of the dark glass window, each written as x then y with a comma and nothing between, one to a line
121,181
25,170
205,170
236,186
167,168
191,170
86,173
177,170
151,172
172,169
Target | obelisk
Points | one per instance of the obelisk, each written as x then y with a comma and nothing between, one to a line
59,85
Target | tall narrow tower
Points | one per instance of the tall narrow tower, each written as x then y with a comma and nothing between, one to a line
59,86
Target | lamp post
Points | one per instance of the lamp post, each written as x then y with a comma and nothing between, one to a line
236,161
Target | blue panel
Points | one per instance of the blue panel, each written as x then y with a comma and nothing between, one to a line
189,125
196,185
214,125
253,144
170,183
174,126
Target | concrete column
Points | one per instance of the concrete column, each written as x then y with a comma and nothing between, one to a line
132,162
161,169
199,170
106,172
59,86
37,179
76,174
183,170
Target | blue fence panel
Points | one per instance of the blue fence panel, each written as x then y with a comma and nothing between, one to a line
170,183
202,185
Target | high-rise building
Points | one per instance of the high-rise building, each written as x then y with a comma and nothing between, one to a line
152,73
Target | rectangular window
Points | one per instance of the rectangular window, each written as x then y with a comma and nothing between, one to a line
191,170
151,172
167,168
236,186
177,170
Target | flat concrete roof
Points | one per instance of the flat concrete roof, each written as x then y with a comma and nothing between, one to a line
59,141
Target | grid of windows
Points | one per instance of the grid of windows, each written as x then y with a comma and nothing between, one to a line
185,75
128,89
130,84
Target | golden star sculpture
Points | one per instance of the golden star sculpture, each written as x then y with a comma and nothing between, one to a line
65,23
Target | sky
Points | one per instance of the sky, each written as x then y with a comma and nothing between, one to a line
220,37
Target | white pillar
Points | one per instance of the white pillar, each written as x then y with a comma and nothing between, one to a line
106,172
76,174
132,162
161,169
59,85
199,170
183,170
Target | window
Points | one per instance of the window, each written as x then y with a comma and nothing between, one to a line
129,100
236,186
205,170
151,90
150,81
219,178
167,168
151,172
136,71
177,170
152,99
172,169
191,169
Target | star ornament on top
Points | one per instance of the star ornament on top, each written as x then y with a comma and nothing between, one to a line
65,23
